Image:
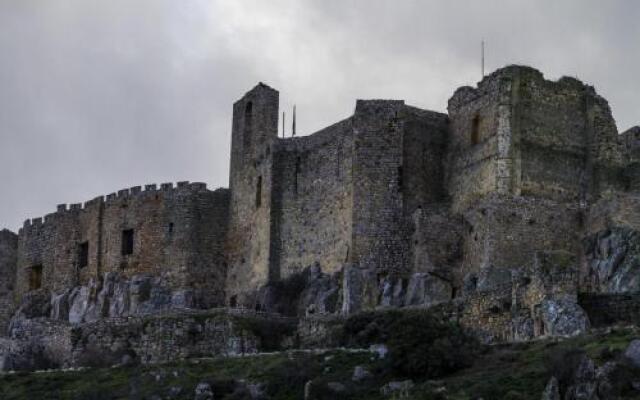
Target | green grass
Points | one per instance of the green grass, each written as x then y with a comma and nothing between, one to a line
511,371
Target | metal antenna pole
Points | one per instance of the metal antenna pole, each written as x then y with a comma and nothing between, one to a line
293,127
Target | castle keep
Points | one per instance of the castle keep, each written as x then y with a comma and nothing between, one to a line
515,213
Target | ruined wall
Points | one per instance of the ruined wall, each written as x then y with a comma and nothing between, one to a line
518,133
481,158
248,245
436,241
177,233
43,343
629,145
379,232
313,198
610,309
8,262
508,232
424,143
567,138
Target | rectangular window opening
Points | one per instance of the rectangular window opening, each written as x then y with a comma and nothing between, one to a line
295,175
83,254
259,192
475,130
400,179
127,242
35,277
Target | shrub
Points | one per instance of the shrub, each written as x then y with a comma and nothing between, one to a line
420,344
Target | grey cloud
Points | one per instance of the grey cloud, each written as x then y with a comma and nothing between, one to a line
100,95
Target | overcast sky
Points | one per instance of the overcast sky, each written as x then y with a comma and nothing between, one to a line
97,96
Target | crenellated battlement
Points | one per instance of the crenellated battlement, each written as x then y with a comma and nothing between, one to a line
116,198
487,204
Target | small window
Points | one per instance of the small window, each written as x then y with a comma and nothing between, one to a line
475,130
259,192
295,176
83,254
233,301
127,242
248,125
170,228
35,277
400,179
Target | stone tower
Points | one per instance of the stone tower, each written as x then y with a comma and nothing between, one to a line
254,131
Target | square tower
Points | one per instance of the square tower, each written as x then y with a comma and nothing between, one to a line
520,134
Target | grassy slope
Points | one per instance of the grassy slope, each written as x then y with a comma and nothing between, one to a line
515,371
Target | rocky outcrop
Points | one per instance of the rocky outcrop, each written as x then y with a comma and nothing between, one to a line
427,289
116,296
41,343
632,353
579,378
552,390
613,261
563,317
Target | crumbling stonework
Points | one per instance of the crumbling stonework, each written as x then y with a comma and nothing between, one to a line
45,343
507,214
173,232
8,259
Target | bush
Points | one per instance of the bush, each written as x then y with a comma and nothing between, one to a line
420,344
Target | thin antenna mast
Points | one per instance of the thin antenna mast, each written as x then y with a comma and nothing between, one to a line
482,55
284,116
293,126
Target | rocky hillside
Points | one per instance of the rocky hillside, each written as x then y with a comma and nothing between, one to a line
598,366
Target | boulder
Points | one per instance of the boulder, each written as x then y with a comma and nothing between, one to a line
117,296
360,374
203,391
381,350
584,383
320,295
60,306
34,304
353,286
397,389
563,317
552,390
523,328
613,257
426,289
632,353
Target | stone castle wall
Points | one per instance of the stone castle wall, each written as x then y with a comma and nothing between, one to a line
248,244
479,123
313,197
8,261
393,206
177,233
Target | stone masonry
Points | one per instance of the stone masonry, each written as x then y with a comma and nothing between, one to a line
508,212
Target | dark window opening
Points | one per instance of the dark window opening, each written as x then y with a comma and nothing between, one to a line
296,173
400,179
170,228
83,254
248,125
338,161
35,277
233,301
259,192
127,242
475,130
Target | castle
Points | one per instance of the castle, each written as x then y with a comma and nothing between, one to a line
517,210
